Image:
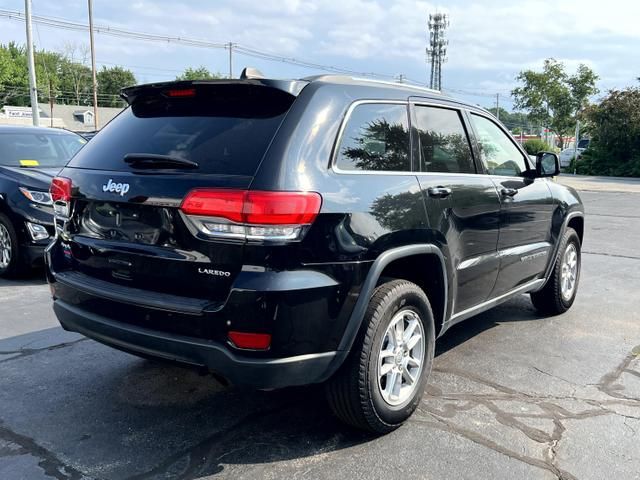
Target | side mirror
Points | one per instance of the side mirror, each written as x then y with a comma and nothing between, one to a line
547,164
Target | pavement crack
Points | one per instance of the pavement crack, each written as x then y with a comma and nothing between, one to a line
52,465
609,383
610,255
480,439
198,456
633,430
453,404
556,376
25,352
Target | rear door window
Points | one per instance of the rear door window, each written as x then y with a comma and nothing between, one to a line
376,137
225,132
444,145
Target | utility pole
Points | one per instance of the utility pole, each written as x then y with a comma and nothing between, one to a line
401,78
575,148
50,104
437,49
93,67
33,87
498,106
230,46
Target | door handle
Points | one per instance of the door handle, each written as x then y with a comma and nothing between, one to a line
439,192
509,192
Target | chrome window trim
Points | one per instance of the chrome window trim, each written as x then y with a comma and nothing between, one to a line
343,126
412,101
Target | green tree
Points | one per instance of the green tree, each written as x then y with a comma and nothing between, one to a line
48,69
382,146
554,98
615,135
14,83
200,73
110,82
519,121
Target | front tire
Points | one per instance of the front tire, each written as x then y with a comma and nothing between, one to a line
10,264
560,291
382,381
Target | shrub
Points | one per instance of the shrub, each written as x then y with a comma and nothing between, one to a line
615,146
535,145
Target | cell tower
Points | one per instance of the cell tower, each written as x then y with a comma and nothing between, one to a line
437,50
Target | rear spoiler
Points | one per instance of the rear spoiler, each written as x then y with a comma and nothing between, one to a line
130,94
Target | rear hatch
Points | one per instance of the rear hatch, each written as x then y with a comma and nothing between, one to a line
126,226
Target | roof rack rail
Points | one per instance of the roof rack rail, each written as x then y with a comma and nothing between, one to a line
396,84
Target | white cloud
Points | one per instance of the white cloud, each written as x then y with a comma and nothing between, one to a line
489,41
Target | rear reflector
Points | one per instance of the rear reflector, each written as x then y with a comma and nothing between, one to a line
60,189
250,341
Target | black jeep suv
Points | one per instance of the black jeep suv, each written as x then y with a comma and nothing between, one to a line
293,232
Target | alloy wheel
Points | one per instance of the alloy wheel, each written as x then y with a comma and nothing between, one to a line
569,273
401,357
5,247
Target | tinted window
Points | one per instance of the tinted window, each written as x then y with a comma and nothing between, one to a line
225,129
376,137
37,149
499,154
444,146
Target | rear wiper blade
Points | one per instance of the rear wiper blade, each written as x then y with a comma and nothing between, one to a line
158,161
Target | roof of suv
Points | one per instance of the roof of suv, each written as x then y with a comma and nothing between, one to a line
388,89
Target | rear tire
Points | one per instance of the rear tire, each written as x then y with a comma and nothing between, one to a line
10,262
382,380
560,291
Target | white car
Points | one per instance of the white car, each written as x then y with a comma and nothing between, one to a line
567,155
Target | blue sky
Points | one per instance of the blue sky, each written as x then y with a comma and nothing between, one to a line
489,41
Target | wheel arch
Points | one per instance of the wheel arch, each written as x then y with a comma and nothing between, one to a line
577,223
573,220
394,263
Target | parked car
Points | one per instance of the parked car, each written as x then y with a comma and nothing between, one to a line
29,158
87,135
567,155
584,143
289,232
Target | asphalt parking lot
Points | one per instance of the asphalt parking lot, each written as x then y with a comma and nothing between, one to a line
513,395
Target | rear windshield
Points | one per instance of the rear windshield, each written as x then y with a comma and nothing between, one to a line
37,149
225,130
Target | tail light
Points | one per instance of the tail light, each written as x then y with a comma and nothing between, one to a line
251,215
60,191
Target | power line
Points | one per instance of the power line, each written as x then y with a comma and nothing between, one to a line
25,91
240,49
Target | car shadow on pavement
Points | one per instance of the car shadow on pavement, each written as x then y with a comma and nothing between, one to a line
34,276
118,416
519,309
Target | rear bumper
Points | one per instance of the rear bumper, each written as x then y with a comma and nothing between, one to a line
239,370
